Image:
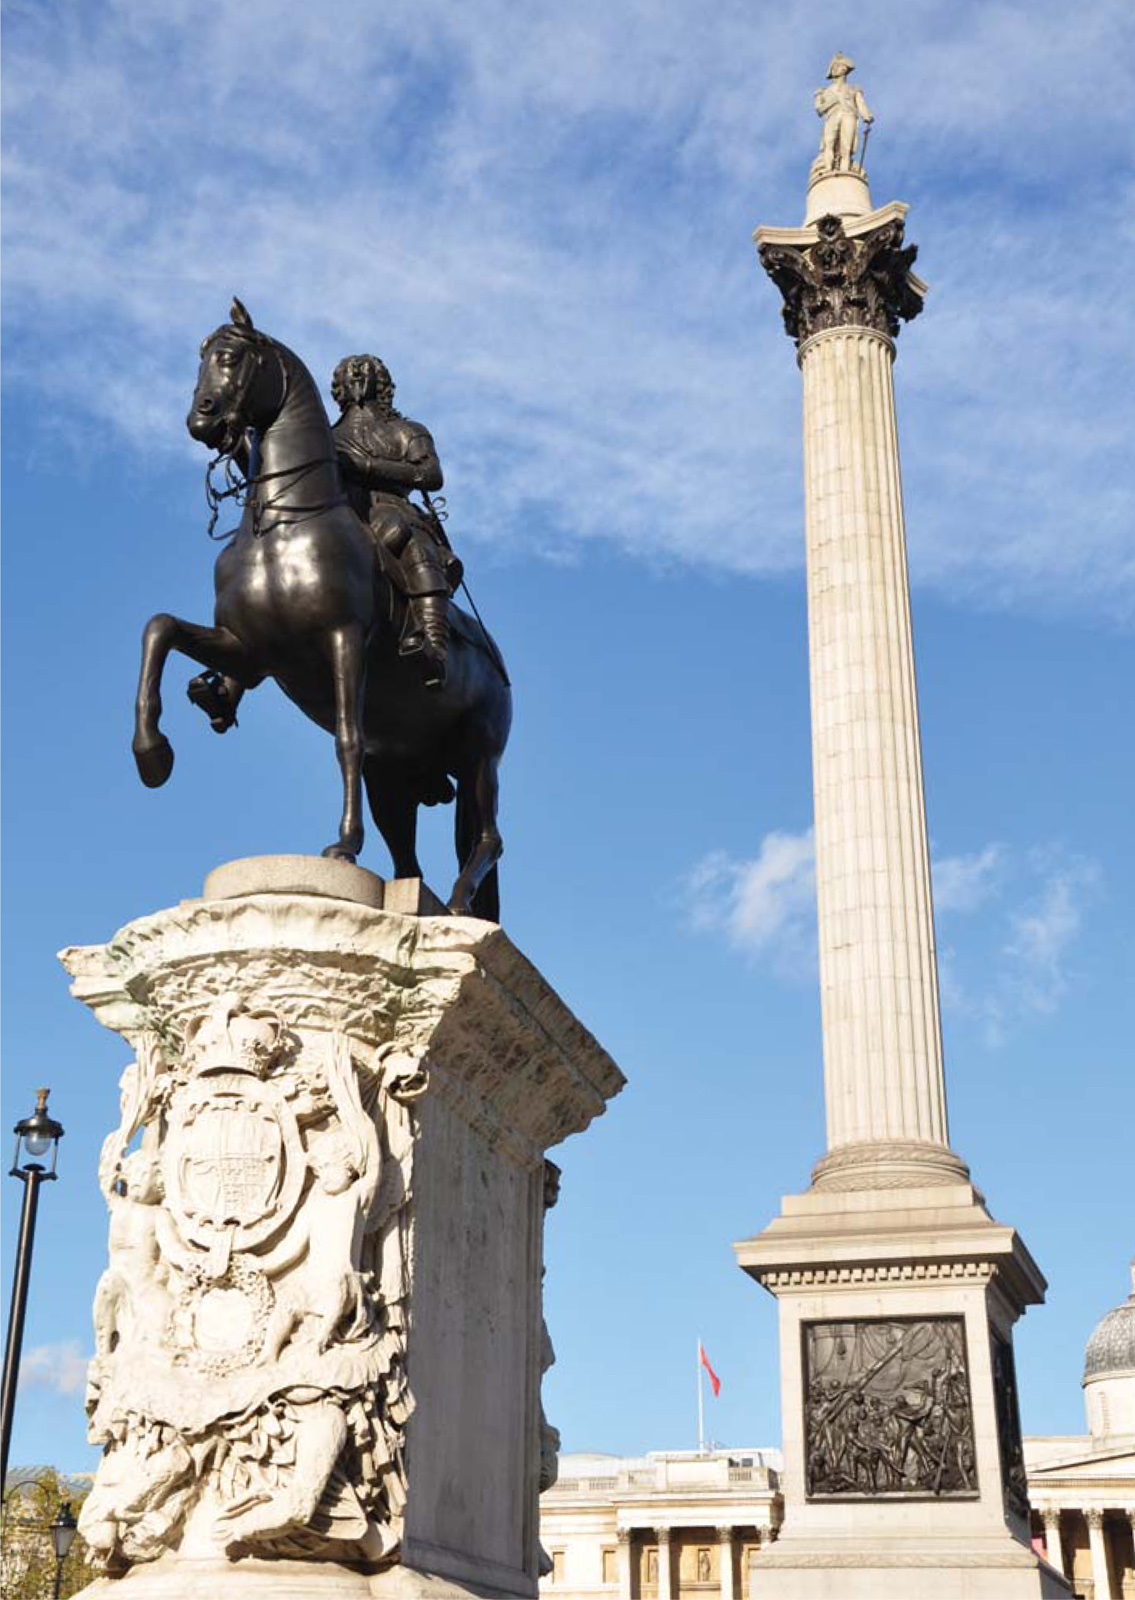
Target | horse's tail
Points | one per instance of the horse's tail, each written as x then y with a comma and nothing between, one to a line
486,902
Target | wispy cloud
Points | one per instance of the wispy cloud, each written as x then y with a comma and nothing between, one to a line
62,1367
962,883
764,906
1032,907
1028,956
1044,931
541,219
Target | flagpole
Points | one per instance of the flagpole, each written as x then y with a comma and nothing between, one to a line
701,1408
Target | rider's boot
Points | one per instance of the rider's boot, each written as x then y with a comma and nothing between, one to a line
433,618
218,697
429,605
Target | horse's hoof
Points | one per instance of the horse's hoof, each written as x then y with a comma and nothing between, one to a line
154,761
339,852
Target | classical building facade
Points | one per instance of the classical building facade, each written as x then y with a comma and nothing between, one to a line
672,1523
1082,1486
676,1525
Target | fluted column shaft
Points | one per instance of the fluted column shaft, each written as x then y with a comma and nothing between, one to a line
878,971
1053,1543
665,1575
1101,1573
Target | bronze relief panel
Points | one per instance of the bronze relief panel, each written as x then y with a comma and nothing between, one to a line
887,1409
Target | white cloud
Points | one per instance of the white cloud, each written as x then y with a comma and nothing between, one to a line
62,1367
1043,933
1025,910
1026,963
541,219
764,904
963,883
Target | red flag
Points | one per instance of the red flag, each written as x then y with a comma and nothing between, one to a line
713,1378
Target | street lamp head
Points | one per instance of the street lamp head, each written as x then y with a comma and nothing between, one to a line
63,1531
37,1134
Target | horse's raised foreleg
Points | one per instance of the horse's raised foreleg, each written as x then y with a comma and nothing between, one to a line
216,648
347,649
479,835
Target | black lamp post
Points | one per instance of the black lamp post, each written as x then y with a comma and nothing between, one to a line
62,1537
37,1136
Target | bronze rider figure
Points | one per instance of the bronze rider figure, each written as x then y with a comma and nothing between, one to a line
383,457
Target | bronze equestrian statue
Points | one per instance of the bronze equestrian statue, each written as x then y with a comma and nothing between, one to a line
306,595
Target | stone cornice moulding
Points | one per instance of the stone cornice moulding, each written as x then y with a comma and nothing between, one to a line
915,1272
450,992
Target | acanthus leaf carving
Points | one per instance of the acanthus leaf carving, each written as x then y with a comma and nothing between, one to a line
842,282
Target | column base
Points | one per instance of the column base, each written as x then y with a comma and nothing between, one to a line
888,1164
903,1464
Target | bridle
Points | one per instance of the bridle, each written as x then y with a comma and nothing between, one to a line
237,486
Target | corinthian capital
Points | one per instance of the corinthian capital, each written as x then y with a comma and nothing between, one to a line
841,282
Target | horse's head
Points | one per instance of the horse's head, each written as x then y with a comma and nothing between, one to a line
240,384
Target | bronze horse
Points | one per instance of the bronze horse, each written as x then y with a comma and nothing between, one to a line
302,597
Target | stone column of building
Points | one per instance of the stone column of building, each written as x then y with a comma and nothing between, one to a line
1101,1573
725,1563
665,1578
884,1083
1053,1543
623,1560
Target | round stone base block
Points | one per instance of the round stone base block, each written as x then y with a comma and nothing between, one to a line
321,875
837,194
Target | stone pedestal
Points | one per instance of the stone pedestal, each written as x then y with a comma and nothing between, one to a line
897,1292
903,1465
319,1339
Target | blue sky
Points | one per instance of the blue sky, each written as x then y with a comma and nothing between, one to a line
541,218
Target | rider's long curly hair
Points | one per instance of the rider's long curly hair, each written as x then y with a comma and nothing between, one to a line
384,383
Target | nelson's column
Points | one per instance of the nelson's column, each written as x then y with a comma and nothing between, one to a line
897,1290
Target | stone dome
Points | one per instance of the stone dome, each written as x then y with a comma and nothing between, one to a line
1111,1348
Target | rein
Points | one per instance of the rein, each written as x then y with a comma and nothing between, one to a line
238,488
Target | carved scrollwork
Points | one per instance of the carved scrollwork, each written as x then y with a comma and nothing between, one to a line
841,282
250,1326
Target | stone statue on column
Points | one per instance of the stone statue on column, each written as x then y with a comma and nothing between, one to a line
842,107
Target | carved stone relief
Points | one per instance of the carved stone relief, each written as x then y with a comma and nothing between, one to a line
250,1326
841,282
887,1409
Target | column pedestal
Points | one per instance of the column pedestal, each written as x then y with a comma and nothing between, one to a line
319,1339
903,1467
